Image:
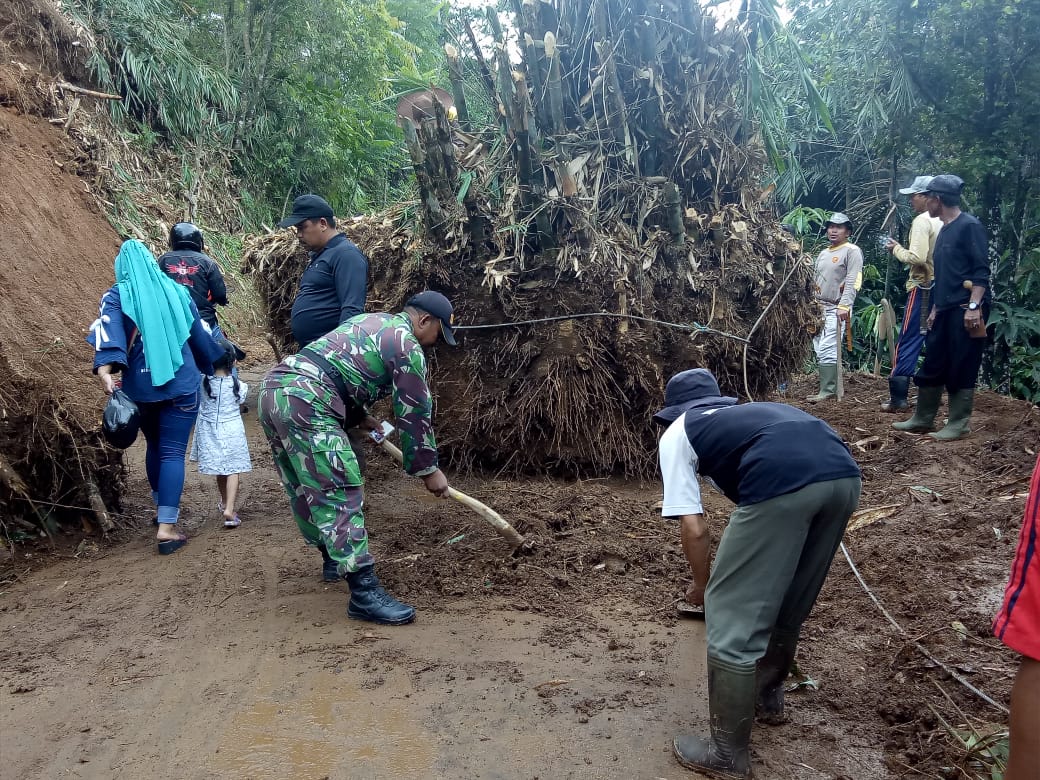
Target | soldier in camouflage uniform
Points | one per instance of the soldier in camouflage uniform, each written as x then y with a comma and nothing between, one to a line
308,401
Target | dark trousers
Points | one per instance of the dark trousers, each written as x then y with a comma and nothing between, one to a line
911,340
166,426
951,358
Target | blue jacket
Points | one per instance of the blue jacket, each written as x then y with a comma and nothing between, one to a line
109,334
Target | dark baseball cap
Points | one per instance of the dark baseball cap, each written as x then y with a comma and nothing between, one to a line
946,184
690,389
440,307
307,207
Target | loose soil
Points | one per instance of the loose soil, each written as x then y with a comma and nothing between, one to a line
232,658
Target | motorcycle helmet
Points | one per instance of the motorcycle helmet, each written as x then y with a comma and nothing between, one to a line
184,235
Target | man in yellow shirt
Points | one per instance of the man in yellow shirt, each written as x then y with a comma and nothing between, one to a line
918,258
838,277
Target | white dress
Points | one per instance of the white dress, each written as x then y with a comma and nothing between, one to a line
220,445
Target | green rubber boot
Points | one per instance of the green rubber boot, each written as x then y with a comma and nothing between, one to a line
772,672
923,420
731,712
961,404
828,383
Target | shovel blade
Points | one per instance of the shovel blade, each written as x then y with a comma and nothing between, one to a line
688,611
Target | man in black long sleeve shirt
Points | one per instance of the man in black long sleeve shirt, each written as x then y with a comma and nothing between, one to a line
335,284
188,265
960,302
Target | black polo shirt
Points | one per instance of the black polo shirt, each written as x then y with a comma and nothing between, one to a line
332,290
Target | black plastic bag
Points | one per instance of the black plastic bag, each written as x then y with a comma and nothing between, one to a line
121,420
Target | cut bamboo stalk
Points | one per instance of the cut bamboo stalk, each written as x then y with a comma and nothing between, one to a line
97,504
558,125
674,213
88,92
458,91
494,518
431,206
485,72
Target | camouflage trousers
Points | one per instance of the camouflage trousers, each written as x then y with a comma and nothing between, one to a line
302,419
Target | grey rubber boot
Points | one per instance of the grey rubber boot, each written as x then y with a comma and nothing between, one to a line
731,713
923,419
961,404
898,389
828,383
369,601
772,672
329,569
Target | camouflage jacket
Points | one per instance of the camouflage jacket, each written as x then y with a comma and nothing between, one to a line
378,355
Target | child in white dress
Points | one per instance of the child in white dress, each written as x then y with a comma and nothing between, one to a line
220,445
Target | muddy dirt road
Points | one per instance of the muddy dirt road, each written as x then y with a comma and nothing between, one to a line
232,659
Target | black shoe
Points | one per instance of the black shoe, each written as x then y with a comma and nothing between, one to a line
898,388
329,568
368,600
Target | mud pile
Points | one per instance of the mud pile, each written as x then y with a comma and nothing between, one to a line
56,253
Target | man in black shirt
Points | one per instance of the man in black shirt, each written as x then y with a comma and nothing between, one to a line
186,264
957,320
334,286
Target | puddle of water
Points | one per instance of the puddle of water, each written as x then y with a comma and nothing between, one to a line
325,726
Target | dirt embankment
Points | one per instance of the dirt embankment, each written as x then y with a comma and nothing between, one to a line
56,253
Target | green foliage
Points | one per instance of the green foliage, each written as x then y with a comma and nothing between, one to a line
143,53
806,221
294,91
925,87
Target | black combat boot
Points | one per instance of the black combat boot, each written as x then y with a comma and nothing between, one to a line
731,712
368,600
773,669
898,388
329,568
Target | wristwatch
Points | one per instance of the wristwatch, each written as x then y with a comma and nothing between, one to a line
973,305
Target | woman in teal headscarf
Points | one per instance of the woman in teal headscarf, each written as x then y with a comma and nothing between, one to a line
149,329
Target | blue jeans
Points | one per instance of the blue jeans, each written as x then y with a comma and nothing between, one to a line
166,426
911,340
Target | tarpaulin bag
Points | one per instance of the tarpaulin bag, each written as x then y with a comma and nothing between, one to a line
121,420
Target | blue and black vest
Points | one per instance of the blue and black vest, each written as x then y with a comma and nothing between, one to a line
758,451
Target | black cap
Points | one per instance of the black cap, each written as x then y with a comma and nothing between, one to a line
689,390
946,184
440,307
307,207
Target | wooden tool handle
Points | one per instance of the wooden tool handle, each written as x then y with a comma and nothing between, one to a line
494,518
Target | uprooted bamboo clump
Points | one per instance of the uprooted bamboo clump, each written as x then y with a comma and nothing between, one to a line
621,178
52,464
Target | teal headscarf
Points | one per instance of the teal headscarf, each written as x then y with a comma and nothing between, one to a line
159,307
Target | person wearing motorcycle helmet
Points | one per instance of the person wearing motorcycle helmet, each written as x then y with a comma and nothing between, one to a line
188,265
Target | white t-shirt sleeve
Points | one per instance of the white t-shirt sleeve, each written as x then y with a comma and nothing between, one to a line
682,491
